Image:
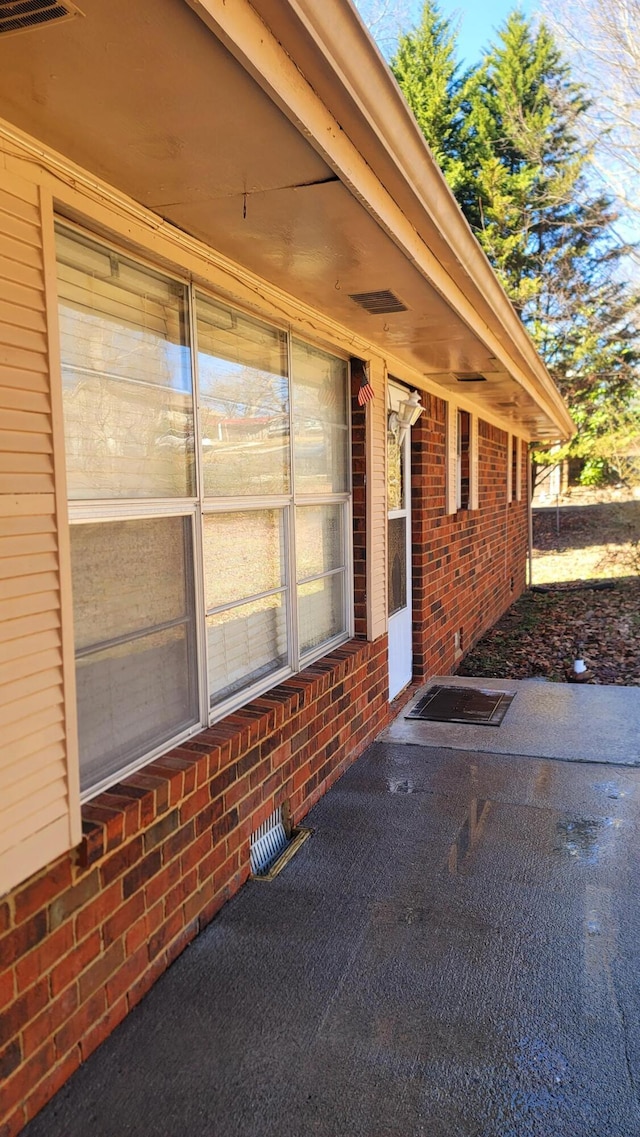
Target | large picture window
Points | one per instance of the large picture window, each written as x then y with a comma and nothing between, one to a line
209,499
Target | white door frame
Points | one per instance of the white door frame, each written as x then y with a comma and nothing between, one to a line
400,621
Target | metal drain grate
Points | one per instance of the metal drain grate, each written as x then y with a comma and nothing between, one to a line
474,705
267,843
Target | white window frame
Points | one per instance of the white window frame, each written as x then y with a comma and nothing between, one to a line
95,510
453,443
514,451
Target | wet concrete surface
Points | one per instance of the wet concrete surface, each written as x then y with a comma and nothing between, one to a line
454,953
565,721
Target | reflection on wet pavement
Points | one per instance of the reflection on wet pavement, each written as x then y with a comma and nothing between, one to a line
581,837
469,834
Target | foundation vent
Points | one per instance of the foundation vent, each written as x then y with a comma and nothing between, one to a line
22,15
378,303
267,843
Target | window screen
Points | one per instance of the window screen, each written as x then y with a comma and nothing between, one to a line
244,403
135,639
126,374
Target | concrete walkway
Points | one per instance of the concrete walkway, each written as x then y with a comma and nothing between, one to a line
454,953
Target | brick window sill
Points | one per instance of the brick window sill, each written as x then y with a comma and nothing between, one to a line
214,758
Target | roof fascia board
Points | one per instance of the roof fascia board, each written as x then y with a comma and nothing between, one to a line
259,49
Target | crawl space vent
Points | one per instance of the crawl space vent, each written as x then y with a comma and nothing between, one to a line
21,15
267,843
273,845
475,705
378,303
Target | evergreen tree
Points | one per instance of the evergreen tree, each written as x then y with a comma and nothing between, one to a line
426,69
507,138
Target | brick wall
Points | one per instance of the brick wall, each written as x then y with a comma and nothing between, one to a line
81,942
468,567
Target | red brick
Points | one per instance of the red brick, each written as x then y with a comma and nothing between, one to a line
136,935
10,1058
18,1086
122,919
194,804
70,1034
122,860
42,958
165,934
54,1015
69,968
93,914
50,1085
7,986
124,978
145,982
40,890
99,971
97,1033
141,872
161,830
14,944
74,898
161,883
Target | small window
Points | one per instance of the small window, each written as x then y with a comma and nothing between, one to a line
516,489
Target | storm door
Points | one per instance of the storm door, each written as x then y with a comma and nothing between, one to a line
399,546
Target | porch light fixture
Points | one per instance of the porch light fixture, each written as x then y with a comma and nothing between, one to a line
406,416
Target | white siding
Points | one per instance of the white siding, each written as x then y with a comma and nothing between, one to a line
39,811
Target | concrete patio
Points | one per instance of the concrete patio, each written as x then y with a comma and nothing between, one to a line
454,953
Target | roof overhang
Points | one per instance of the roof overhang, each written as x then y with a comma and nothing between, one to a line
276,134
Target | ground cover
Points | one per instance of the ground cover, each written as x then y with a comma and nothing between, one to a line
586,592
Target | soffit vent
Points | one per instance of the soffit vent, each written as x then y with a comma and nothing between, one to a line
378,303
22,15
470,377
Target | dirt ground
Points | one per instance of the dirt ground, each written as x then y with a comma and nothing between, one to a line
586,592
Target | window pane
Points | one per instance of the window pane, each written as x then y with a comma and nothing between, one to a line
134,620
244,403
397,561
319,539
133,697
245,644
320,611
320,420
126,376
395,472
244,554
129,576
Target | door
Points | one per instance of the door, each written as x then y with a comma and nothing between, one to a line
399,547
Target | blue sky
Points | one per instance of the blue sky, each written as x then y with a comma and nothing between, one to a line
479,21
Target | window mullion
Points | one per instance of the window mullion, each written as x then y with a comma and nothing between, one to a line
290,534
198,536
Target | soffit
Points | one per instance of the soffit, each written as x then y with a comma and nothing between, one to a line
144,96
